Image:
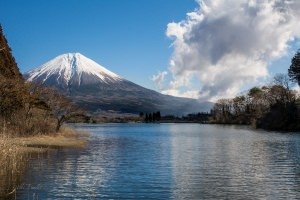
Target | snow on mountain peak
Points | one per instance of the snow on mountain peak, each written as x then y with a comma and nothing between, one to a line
72,66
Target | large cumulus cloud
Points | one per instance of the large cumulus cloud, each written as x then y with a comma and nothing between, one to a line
226,45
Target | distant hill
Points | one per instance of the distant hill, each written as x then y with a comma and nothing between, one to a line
97,89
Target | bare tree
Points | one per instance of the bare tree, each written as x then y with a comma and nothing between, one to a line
60,107
282,87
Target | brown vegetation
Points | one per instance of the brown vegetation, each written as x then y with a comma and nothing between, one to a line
8,65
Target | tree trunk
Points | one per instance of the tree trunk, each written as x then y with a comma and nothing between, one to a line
59,123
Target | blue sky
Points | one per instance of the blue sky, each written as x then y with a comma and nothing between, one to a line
127,37
138,38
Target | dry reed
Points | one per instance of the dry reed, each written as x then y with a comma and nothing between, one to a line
15,153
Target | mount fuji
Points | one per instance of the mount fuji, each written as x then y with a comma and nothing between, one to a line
96,89
72,70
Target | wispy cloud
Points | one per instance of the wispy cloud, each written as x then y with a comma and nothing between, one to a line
226,45
159,78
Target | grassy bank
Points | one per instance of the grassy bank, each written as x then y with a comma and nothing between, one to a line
15,153
67,138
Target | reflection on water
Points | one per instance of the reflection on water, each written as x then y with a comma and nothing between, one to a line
170,161
225,162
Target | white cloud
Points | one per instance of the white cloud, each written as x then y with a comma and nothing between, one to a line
159,78
229,44
190,93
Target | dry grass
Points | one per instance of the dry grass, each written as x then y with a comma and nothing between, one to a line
69,132
12,164
15,153
66,138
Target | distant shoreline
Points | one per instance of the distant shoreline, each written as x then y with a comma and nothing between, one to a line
189,122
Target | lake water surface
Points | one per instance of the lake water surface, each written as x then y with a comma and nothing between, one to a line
169,161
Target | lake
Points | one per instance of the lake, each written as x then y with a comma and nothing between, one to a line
169,161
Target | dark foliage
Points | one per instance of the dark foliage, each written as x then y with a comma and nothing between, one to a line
294,70
153,117
280,117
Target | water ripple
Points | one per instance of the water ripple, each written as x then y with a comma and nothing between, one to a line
170,161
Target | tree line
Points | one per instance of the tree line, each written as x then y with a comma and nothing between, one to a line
151,117
274,106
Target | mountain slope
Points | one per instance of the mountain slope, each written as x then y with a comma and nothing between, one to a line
95,88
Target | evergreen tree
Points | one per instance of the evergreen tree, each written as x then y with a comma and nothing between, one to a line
150,118
146,118
141,114
154,116
294,70
158,116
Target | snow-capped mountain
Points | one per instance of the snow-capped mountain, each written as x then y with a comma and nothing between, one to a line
95,88
72,69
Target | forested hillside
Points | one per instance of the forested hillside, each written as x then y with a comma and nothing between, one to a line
8,65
